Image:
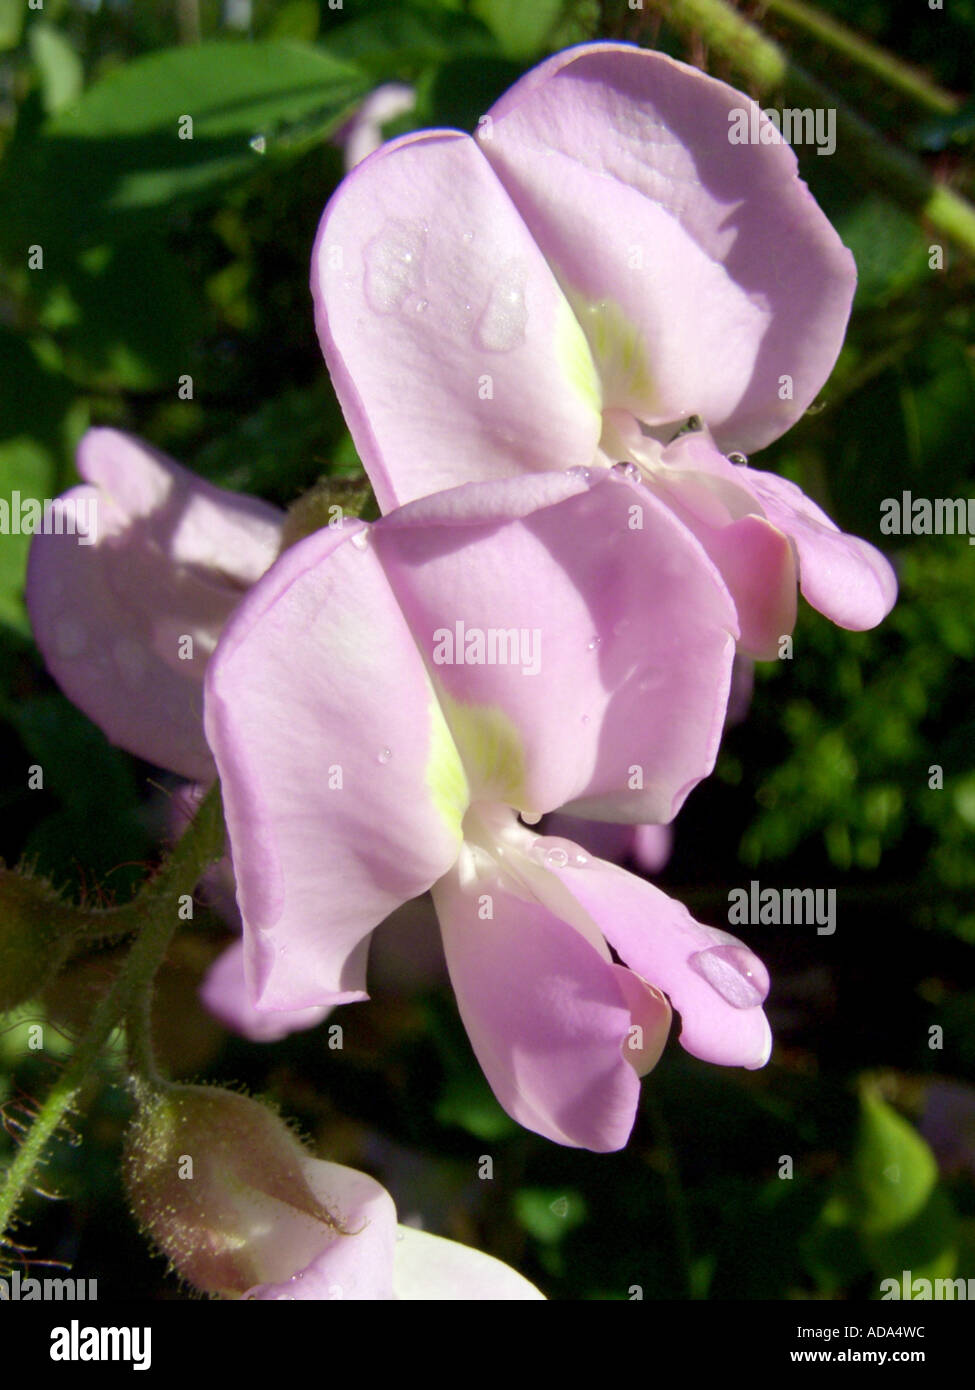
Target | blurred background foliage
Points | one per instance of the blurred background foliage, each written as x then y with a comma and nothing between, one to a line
852,1156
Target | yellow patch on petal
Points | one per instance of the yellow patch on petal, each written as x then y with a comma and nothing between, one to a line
617,345
493,753
445,775
576,358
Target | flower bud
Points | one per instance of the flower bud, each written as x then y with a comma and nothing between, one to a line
326,504
219,1183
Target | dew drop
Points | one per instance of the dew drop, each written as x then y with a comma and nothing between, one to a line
734,972
580,472
258,144
502,324
384,755
593,643
421,306
579,861
629,471
531,817
393,261
555,859
361,540
739,459
468,237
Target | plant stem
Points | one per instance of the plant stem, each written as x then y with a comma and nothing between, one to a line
894,72
156,911
860,147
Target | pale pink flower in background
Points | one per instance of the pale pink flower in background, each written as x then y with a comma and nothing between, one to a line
363,134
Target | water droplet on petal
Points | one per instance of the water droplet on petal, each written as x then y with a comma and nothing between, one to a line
579,861
734,972
502,324
593,643
531,817
421,305
578,471
555,859
629,471
393,261
739,459
361,540
468,236
258,144
383,756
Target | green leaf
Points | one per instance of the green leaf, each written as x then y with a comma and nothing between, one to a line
521,29
890,250
894,1171
549,1214
296,19
399,43
58,65
12,13
25,468
170,127
95,830
126,316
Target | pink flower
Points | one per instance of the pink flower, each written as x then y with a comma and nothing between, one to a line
371,747
363,134
260,1218
126,624
568,289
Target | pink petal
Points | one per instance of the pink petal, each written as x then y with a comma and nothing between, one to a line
342,790
308,1259
431,1268
172,558
364,133
453,351
224,993
649,845
840,575
652,846
547,1012
704,272
612,702
716,983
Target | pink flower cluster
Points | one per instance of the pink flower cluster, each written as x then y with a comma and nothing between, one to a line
552,344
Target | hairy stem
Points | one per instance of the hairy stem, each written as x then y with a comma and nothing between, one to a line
155,914
892,71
